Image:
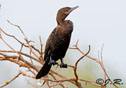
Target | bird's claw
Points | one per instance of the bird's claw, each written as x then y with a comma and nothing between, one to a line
52,62
63,65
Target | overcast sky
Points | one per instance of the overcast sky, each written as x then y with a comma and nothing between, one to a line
96,22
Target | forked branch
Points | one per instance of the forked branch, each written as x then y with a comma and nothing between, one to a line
26,60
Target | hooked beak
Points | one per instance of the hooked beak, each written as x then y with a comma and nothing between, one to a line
68,12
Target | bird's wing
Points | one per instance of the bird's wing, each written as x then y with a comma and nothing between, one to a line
57,43
48,44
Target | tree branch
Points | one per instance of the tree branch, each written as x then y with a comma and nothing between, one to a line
26,60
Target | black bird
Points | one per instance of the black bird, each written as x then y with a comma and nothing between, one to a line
58,42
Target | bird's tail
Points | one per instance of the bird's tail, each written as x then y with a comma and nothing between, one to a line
44,70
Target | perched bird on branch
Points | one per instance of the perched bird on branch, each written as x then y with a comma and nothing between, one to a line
58,42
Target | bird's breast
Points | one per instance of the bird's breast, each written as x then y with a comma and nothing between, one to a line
67,30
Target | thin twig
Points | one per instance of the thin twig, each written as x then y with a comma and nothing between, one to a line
25,38
31,65
1,30
75,69
41,47
22,53
7,82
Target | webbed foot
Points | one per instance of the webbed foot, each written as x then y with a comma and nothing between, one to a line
63,65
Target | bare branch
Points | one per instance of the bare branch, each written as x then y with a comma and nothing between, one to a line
7,82
26,60
41,47
75,69
18,40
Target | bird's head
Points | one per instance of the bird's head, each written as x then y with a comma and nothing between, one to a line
63,13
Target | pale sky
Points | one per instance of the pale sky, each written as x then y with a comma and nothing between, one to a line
96,22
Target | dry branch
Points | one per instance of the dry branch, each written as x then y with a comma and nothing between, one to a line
27,60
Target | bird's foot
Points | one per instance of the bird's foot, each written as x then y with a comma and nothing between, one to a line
63,65
52,62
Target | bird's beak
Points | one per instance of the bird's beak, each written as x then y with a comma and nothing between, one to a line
68,12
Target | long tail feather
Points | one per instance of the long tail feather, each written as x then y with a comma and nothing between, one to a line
44,70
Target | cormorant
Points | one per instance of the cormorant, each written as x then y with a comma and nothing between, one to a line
58,42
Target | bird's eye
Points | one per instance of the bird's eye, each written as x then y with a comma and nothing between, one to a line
67,9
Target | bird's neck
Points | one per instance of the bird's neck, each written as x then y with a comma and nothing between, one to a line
64,22
60,21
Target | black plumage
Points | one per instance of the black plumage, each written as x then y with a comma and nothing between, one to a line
58,42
